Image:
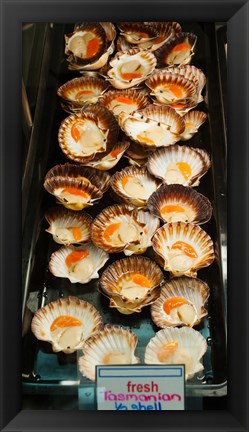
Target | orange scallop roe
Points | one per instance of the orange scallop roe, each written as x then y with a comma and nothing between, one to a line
189,125
131,75
186,248
175,89
74,191
64,321
173,303
125,180
185,169
92,47
166,350
110,230
83,93
115,153
124,100
177,105
76,233
75,131
141,280
145,140
76,256
143,35
172,209
181,47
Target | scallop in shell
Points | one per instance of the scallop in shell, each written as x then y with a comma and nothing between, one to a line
68,227
173,203
130,68
136,154
179,164
112,158
177,346
151,224
134,185
88,135
112,345
181,302
66,323
131,283
184,248
193,120
79,264
128,100
178,50
193,74
154,126
137,32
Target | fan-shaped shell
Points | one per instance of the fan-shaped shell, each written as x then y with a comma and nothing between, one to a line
137,32
112,158
173,203
134,185
178,50
179,164
154,126
128,100
66,323
88,135
130,68
193,74
184,247
78,263
150,226
112,345
181,302
177,346
193,120
131,283
68,227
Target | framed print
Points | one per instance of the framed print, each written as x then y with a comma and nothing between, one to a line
124,188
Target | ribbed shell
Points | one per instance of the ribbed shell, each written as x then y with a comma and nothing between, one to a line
192,344
151,224
72,306
118,271
112,340
166,53
110,160
178,263
148,185
194,207
61,220
59,268
193,120
101,120
192,73
194,290
127,100
160,161
137,32
154,126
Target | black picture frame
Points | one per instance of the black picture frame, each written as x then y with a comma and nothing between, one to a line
13,14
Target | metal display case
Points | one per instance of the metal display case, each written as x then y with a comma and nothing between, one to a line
48,374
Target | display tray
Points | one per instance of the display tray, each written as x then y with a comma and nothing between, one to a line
56,373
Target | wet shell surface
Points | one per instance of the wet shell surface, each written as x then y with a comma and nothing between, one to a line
78,263
179,164
66,323
131,283
173,203
68,227
193,120
184,248
88,135
181,303
134,185
129,100
112,158
177,346
111,346
130,68
80,91
154,126
177,51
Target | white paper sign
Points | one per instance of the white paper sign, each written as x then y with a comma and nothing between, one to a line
151,388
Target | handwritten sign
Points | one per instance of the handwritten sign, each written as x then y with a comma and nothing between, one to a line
143,387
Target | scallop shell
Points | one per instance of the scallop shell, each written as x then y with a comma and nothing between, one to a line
131,283
136,154
112,345
79,264
134,185
170,54
68,227
150,226
184,247
193,120
173,203
166,30
192,73
88,135
184,346
128,100
179,164
154,126
112,158
171,89
77,43
116,228
87,322
81,91
137,32
130,68
181,303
